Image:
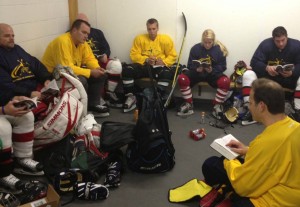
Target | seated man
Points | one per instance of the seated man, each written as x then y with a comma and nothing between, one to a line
101,50
207,62
155,49
268,173
21,73
16,138
71,49
278,50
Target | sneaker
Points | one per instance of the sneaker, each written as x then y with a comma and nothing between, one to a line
103,102
130,103
296,115
247,119
185,109
99,110
12,183
113,175
113,100
218,111
28,166
8,200
291,112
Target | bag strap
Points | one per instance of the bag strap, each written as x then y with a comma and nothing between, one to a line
155,92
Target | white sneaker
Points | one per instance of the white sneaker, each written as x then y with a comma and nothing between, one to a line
130,103
99,110
218,111
113,100
12,183
28,166
185,109
247,119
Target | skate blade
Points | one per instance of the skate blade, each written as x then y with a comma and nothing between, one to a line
246,123
130,109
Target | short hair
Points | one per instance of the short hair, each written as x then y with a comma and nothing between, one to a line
77,23
152,21
279,31
269,92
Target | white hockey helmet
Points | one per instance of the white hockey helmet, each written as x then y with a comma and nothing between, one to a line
114,66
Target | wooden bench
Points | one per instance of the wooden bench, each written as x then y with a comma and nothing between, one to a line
145,82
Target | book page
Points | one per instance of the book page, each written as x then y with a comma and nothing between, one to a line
287,67
220,146
201,64
28,103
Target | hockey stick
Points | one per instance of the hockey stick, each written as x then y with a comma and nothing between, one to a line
177,66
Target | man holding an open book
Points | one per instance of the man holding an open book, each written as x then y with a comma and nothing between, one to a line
276,58
20,74
267,173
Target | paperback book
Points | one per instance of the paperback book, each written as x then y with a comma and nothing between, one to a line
287,67
219,145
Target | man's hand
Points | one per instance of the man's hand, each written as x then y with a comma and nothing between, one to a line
46,83
238,147
37,94
97,73
286,74
272,70
151,60
208,69
200,69
11,110
159,61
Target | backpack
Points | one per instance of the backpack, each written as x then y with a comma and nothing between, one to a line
153,150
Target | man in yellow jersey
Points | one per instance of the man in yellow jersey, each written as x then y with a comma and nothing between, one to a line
157,50
71,49
268,173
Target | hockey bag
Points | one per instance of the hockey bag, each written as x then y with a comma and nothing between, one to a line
153,150
115,135
64,114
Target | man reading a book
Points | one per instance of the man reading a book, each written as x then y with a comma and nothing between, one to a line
21,73
274,51
267,173
207,62
71,49
157,50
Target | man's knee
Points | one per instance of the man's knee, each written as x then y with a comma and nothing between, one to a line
223,83
84,82
128,70
183,80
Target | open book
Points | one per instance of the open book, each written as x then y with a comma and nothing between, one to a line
203,64
50,91
220,146
282,68
28,103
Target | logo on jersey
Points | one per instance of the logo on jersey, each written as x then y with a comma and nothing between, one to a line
21,71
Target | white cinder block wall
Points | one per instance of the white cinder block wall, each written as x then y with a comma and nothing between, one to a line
240,25
35,22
